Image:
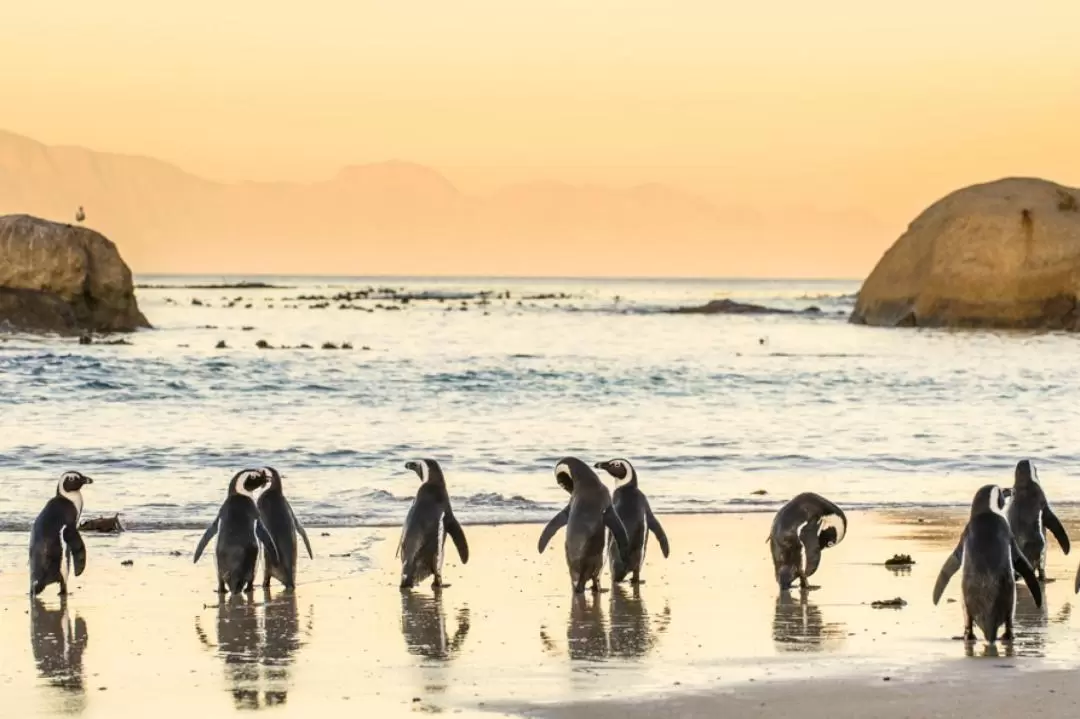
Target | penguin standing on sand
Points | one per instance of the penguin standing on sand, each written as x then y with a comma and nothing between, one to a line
240,531
1030,516
797,534
54,539
281,522
423,535
587,515
990,556
634,512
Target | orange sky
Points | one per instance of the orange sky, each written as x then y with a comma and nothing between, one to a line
843,105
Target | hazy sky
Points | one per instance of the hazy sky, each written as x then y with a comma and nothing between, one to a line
837,104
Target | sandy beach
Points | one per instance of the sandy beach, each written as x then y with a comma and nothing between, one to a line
706,634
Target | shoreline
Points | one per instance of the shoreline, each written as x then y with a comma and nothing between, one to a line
708,632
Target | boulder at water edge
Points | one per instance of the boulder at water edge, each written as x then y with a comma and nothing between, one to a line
1005,254
59,278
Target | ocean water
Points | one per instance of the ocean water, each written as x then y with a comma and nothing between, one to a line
499,386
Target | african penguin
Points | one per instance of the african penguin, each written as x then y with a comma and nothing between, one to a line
55,539
587,515
240,531
990,556
637,518
281,522
797,535
1030,516
429,520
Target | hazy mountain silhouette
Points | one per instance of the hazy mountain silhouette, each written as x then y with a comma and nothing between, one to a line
383,218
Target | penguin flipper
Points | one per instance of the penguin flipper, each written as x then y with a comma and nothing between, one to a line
951,567
76,548
266,539
557,522
612,521
811,546
1054,525
300,530
1023,566
450,524
654,527
207,536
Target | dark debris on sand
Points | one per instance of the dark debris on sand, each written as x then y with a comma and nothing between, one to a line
900,560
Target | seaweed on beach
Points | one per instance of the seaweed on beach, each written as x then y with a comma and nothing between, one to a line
899,560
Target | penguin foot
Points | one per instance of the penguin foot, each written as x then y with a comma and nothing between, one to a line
637,582
969,637
439,585
1007,637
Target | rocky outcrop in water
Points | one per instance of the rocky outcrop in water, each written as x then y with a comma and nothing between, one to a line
731,307
1000,255
59,278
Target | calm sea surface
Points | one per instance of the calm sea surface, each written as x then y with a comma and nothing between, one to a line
709,408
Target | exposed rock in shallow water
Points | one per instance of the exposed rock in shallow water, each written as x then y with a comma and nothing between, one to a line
108,525
1000,255
731,307
63,279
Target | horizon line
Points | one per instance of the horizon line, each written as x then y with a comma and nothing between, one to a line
588,278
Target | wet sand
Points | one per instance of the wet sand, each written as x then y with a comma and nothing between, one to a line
707,634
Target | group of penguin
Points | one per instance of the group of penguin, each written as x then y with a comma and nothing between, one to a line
245,523
1001,539
1005,536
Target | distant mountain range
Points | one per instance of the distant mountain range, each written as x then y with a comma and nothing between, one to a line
403,218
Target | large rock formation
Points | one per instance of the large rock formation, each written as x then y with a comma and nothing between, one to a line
1001,255
65,279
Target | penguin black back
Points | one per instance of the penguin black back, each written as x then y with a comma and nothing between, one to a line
281,522
430,519
1030,516
990,556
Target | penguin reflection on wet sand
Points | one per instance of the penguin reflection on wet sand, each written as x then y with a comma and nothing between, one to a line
281,522
58,645
240,531
55,542
798,624
634,512
990,556
631,633
423,626
1029,516
423,535
797,538
587,515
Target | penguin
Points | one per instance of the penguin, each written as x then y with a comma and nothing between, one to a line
429,520
280,521
587,515
990,557
1029,516
637,518
797,533
241,531
55,538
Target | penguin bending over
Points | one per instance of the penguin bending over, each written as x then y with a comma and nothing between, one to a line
240,531
1030,516
990,556
637,518
281,522
423,535
55,540
587,515
797,533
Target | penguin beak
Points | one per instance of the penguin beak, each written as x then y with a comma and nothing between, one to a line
601,465
87,480
414,467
